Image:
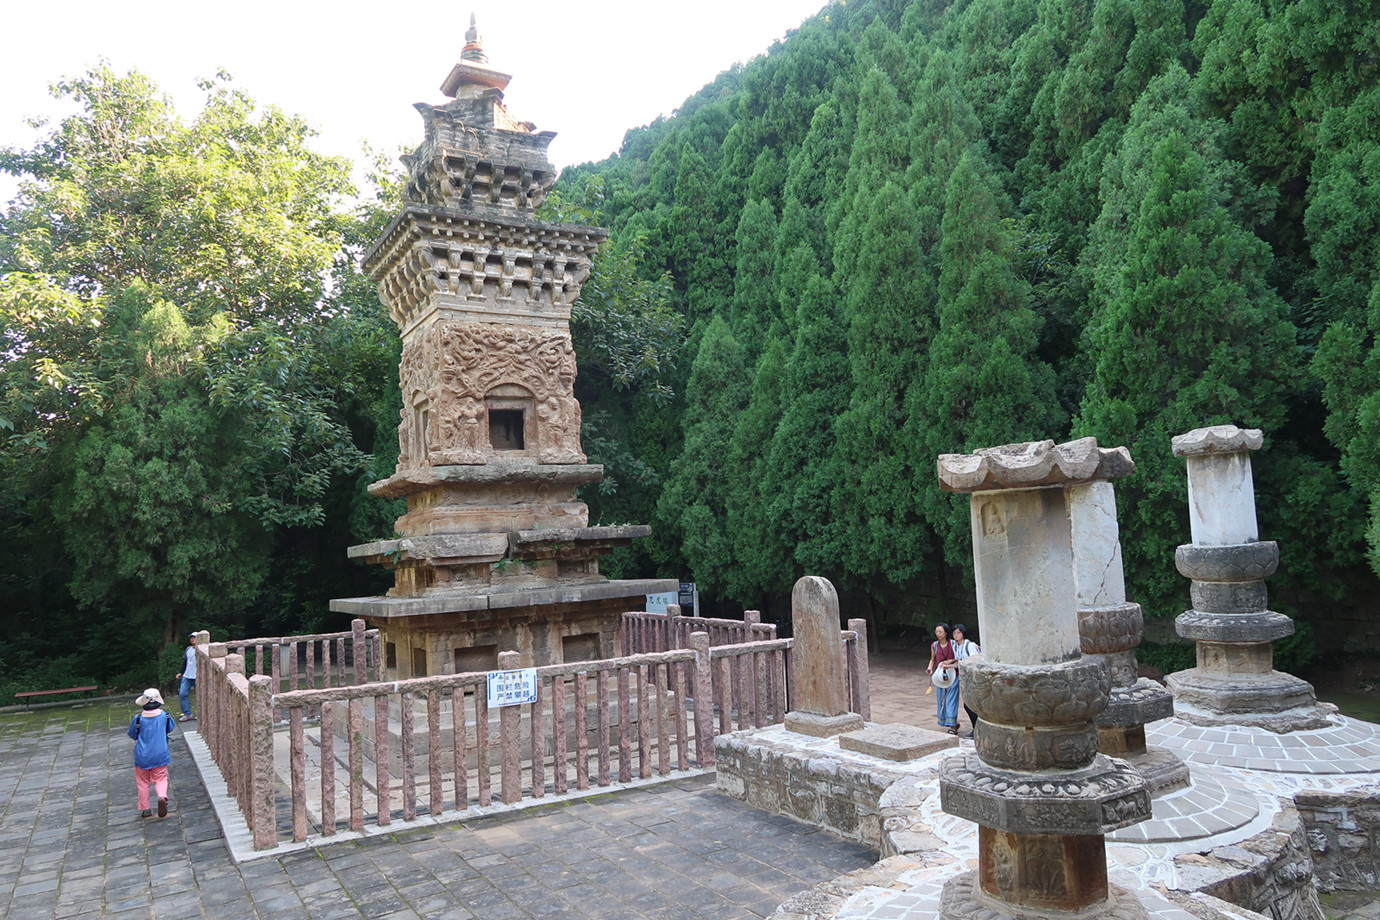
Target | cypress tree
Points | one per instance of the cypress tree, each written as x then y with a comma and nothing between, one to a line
983,383
762,558
888,299
1184,330
802,474
694,504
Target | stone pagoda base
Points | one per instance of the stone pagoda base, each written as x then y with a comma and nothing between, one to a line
465,632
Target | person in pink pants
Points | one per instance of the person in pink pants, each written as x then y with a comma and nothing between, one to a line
150,729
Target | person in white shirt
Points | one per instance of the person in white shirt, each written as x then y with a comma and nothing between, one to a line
188,677
964,648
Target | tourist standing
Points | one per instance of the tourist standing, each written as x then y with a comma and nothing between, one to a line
964,648
150,729
188,677
942,657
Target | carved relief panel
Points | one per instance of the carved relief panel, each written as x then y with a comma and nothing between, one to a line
476,391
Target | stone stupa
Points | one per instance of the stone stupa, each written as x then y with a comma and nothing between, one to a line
495,551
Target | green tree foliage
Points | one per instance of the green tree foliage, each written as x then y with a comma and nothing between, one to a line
983,383
171,419
1184,331
764,566
694,504
1007,219
910,227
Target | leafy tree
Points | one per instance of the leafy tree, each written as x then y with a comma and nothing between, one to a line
887,296
694,506
801,473
984,383
1184,332
161,301
763,559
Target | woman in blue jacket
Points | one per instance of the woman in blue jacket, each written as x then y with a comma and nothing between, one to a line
150,730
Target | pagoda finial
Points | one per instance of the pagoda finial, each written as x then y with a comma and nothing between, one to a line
474,45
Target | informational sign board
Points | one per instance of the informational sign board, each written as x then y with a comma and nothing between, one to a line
657,603
510,688
688,597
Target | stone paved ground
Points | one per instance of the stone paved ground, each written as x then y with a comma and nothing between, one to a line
72,845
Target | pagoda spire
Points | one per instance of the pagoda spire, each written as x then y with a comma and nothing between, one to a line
474,45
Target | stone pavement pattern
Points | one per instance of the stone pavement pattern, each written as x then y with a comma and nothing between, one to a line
72,845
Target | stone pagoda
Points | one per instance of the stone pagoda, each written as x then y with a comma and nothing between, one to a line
1235,681
1042,796
494,552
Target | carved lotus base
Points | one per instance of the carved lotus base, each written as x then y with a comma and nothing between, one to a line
1235,562
964,899
1048,695
1260,626
1144,702
1162,771
1275,701
1097,799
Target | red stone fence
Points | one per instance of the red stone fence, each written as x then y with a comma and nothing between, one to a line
640,633
434,745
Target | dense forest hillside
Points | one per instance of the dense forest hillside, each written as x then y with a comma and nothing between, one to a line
926,227
908,229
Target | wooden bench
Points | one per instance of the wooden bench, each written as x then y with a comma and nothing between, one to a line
32,693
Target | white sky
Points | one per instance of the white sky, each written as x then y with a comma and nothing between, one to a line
586,70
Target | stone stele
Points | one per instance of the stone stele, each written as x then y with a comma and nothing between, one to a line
817,658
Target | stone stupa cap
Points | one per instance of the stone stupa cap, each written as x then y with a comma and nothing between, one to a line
1032,465
1217,439
473,67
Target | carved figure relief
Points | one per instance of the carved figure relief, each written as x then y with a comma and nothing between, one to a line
1005,869
1044,868
992,523
452,367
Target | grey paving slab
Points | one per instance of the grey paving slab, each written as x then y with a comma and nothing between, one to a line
75,846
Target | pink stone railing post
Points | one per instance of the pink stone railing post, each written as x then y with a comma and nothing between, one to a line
509,732
356,763
328,768
435,800
539,744
359,651
297,767
481,742
581,731
262,813
858,672
381,754
409,765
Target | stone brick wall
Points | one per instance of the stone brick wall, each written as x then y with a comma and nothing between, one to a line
831,792
1341,830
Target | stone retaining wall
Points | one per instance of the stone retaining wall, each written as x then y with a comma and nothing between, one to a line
822,791
1341,829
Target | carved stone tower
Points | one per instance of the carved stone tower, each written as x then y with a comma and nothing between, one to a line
494,551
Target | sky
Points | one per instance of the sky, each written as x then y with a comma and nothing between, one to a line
587,70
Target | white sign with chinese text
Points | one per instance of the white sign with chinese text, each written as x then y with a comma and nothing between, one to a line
510,688
657,603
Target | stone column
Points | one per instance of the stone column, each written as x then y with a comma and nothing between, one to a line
1110,628
817,663
1042,795
1234,681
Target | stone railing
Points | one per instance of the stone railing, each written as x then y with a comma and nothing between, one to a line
312,661
645,633
641,633
374,752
